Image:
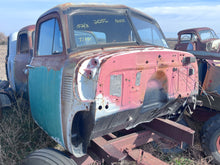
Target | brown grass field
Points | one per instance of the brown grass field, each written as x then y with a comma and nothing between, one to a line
3,53
19,135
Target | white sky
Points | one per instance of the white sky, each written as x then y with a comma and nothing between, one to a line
172,15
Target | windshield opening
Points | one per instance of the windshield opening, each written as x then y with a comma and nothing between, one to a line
95,29
207,34
149,32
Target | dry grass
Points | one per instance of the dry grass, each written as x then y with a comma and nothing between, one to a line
19,135
191,156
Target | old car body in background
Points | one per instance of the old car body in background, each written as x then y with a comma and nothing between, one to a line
198,39
20,52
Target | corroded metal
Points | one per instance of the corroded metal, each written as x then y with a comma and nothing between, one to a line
114,149
198,39
91,88
20,54
207,54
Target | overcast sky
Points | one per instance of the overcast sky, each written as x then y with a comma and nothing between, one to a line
172,15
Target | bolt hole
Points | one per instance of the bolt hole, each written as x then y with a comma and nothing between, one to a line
100,107
106,107
146,62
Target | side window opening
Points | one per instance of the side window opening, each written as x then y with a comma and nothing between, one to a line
23,42
50,38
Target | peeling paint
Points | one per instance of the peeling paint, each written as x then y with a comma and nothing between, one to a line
45,100
91,90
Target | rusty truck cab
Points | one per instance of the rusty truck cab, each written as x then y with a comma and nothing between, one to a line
97,69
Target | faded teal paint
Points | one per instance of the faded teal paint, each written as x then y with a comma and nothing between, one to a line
45,100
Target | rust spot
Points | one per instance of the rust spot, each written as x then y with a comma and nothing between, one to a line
161,76
140,68
66,4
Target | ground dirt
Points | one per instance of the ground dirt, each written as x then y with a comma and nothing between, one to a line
171,42
3,53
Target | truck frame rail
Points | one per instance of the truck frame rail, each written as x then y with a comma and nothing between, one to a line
125,145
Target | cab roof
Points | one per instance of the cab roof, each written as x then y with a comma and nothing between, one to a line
193,30
70,7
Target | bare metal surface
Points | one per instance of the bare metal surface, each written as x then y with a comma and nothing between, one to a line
115,85
138,79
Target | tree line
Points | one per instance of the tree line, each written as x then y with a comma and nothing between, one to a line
3,39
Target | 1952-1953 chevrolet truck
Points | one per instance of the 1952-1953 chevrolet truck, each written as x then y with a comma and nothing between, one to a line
97,69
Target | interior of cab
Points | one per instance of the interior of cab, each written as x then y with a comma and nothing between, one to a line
23,43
